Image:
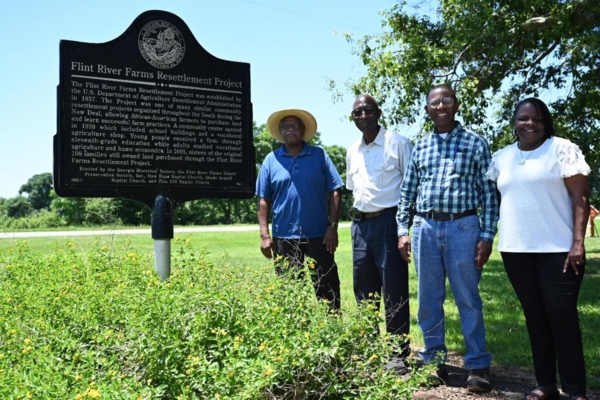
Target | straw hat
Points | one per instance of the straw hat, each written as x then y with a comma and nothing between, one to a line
307,119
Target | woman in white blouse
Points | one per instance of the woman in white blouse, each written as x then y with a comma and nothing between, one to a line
542,180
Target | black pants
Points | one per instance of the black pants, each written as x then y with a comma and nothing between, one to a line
326,280
549,300
378,266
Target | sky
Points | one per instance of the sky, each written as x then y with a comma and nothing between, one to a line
292,47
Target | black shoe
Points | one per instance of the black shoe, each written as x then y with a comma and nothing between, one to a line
397,364
479,380
437,378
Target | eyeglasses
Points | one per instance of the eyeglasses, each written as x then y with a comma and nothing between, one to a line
357,112
294,125
448,102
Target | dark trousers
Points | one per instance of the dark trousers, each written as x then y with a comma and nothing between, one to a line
549,300
377,265
326,281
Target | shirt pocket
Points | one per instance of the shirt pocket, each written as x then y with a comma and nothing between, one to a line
354,177
384,174
463,164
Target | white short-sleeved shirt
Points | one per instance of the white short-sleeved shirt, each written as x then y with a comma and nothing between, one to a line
375,171
536,214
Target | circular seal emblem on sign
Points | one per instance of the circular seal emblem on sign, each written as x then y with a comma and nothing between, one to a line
161,44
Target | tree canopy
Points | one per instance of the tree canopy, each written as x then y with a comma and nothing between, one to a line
38,189
494,54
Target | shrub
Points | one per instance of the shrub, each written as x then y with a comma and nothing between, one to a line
36,220
100,324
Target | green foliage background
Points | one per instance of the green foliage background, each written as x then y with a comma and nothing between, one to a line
494,54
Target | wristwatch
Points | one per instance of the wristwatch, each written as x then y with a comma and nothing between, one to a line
333,225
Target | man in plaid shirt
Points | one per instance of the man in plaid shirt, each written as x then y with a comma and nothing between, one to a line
446,179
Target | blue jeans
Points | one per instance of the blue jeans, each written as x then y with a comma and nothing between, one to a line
448,248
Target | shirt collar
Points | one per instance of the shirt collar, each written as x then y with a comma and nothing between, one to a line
457,128
305,150
379,139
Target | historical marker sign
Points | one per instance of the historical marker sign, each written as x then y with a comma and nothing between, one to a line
151,112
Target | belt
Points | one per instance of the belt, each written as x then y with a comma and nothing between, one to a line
442,216
359,215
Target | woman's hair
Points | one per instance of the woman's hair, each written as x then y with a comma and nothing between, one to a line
542,108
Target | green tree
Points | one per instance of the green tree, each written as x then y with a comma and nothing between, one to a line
493,54
17,207
38,189
72,209
338,158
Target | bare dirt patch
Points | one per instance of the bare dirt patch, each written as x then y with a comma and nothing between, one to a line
510,383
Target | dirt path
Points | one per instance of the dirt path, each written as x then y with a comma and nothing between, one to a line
510,383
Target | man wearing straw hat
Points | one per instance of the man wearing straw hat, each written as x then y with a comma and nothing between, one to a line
293,184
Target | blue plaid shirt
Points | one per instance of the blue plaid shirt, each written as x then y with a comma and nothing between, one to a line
449,176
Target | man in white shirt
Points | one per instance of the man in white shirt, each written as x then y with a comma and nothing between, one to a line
375,168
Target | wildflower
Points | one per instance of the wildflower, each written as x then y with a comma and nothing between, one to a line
29,395
77,377
355,357
93,393
342,378
188,240
268,370
307,335
311,265
262,346
26,349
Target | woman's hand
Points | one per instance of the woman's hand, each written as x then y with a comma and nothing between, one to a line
575,258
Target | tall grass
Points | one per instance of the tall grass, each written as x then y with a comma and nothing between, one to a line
506,333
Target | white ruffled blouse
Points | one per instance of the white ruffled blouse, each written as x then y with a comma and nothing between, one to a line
536,213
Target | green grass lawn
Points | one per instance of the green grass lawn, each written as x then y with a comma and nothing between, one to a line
506,333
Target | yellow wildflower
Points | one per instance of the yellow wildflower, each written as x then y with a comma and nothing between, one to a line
268,370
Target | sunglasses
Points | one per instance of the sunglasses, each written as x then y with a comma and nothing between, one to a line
357,112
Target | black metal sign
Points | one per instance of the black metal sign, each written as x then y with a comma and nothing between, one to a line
151,112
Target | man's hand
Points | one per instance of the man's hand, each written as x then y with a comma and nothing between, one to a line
404,247
267,246
484,249
330,240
